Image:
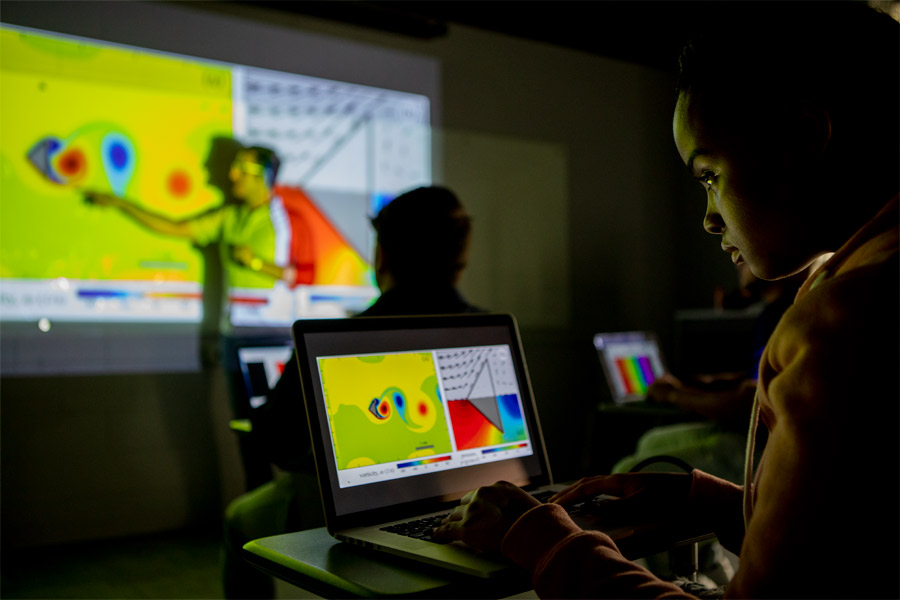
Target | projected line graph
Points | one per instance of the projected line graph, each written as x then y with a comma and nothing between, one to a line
482,396
317,124
347,145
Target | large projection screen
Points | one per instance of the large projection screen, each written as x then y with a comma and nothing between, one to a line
129,100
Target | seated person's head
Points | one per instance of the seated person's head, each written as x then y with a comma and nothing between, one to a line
792,132
422,239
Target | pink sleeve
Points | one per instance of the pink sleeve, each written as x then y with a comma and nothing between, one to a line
567,562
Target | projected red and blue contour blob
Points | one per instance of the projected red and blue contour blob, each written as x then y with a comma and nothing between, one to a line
67,164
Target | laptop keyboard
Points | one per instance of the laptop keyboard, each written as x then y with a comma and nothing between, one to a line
420,529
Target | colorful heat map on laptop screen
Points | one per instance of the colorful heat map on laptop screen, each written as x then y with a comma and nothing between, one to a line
94,133
397,415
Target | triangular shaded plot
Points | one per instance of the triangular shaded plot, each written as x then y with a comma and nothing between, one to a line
483,386
489,409
483,396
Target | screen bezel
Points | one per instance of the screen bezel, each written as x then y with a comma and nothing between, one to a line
339,504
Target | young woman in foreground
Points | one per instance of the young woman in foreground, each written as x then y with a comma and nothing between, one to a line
787,115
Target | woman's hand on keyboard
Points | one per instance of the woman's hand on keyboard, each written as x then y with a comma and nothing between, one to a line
485,515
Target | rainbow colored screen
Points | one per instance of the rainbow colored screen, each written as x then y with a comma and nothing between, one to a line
157,132
632,362
636,373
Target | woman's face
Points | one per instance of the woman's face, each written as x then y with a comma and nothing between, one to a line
756,199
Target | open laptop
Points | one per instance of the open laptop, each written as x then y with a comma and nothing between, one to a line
261,362
631,361
407,414
261,365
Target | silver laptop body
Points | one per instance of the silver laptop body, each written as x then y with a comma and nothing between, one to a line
407,414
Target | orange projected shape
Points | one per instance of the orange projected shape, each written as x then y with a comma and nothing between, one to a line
179,183
319,251
72,163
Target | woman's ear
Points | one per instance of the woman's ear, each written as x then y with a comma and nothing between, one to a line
383,277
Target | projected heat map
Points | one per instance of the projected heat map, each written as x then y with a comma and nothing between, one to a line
383,408
482,396
83,119
91,130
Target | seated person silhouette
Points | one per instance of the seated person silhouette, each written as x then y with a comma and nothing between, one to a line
422,241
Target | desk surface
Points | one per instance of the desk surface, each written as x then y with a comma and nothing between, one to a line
316,562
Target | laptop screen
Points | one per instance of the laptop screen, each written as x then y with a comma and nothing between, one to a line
414,408
631,361
261,367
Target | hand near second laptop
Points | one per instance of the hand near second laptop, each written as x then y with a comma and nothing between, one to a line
726,401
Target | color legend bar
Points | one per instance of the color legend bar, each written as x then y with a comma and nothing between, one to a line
424,461
502,448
